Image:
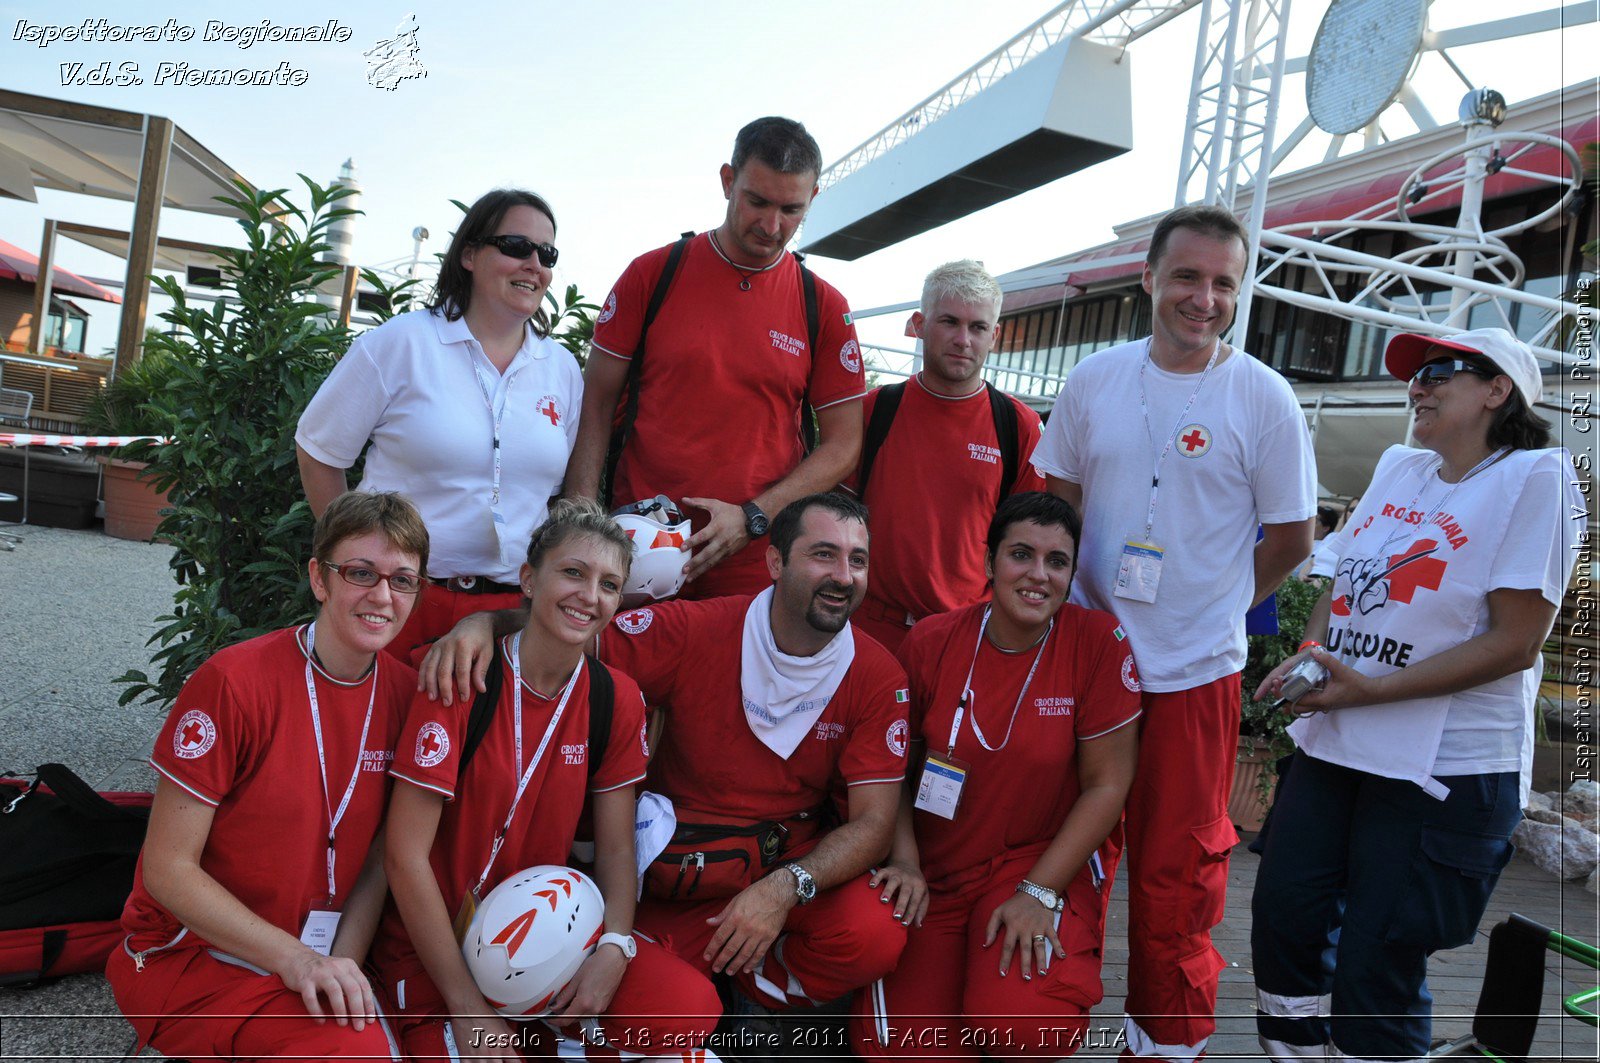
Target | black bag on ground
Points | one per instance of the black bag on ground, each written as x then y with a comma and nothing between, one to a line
70,853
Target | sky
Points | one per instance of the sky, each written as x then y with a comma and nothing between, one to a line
620,112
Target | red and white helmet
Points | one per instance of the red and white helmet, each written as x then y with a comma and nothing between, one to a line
658,530
530,936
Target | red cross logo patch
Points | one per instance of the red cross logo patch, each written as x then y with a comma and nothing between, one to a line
433,744
194,736
635,621
550,409
1194,440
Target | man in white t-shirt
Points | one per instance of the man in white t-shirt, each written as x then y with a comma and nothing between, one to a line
1176,448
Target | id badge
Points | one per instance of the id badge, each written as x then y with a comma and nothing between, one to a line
319,931
1140,571
463,921
939,790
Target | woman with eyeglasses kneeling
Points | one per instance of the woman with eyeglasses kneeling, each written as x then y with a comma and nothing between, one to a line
470,407
261,879
1394,819
461,827
1023,752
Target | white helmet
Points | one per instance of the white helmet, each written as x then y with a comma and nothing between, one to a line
658,530
530,936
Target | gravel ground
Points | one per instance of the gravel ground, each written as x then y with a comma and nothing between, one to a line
75,610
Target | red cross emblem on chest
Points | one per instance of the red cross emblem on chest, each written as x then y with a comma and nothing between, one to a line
1194,440
548,407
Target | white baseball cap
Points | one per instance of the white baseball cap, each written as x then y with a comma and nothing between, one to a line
1409,351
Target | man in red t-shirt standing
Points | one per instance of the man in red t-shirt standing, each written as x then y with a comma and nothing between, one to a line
940,472
725,369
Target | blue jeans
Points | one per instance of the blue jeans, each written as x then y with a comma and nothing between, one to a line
1361,879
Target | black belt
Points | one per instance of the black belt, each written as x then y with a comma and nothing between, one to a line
475,585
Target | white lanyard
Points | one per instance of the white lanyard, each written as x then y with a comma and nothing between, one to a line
1427,478
322,761
538,754
1144,411
966,691
496,417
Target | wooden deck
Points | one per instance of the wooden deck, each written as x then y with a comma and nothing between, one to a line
1454,976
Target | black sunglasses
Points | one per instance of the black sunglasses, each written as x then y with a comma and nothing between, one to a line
514,246
1435,373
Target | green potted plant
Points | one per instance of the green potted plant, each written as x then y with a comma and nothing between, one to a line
1263,729
126,407
243,368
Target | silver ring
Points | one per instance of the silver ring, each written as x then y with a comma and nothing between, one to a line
1040,938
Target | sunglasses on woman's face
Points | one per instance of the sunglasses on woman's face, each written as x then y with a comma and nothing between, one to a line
514,246
1435,373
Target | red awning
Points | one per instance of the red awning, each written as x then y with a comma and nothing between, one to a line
17,264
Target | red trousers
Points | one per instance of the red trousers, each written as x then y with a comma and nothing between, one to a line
437,610
662,1007
190,1005
843,940
947,999
1178,842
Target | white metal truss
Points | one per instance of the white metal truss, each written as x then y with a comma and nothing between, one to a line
1229,127
1110,22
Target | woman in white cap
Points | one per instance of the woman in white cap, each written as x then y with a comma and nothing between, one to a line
1394,819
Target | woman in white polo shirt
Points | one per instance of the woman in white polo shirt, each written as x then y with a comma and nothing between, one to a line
1395,816
470,408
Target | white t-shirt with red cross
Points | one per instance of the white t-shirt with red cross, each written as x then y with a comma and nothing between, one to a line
429,754
1240,457
1412,571
423,391
240,739
686,656
935,485
1022,777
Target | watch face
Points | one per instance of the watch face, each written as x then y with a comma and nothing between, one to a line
758,525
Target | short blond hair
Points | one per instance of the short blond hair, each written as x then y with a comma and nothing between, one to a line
359,512
967,280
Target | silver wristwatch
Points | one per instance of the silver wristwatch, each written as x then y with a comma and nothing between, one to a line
1047,897
805,887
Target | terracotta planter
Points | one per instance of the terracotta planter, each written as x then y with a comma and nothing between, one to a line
1245,807
133,507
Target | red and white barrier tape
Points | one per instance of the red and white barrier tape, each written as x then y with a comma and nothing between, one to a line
24,439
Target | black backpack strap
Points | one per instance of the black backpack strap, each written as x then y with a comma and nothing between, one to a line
630,401
1005,433
81,797
482,714
602,702
883,411
808,287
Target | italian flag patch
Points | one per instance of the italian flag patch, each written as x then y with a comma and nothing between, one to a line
902,696
1119,634
848,320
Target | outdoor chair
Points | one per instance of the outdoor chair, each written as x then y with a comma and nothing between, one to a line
15,406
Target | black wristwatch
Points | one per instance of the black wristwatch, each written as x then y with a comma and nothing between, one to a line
755,521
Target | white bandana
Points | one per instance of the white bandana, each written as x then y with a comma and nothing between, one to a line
784,695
